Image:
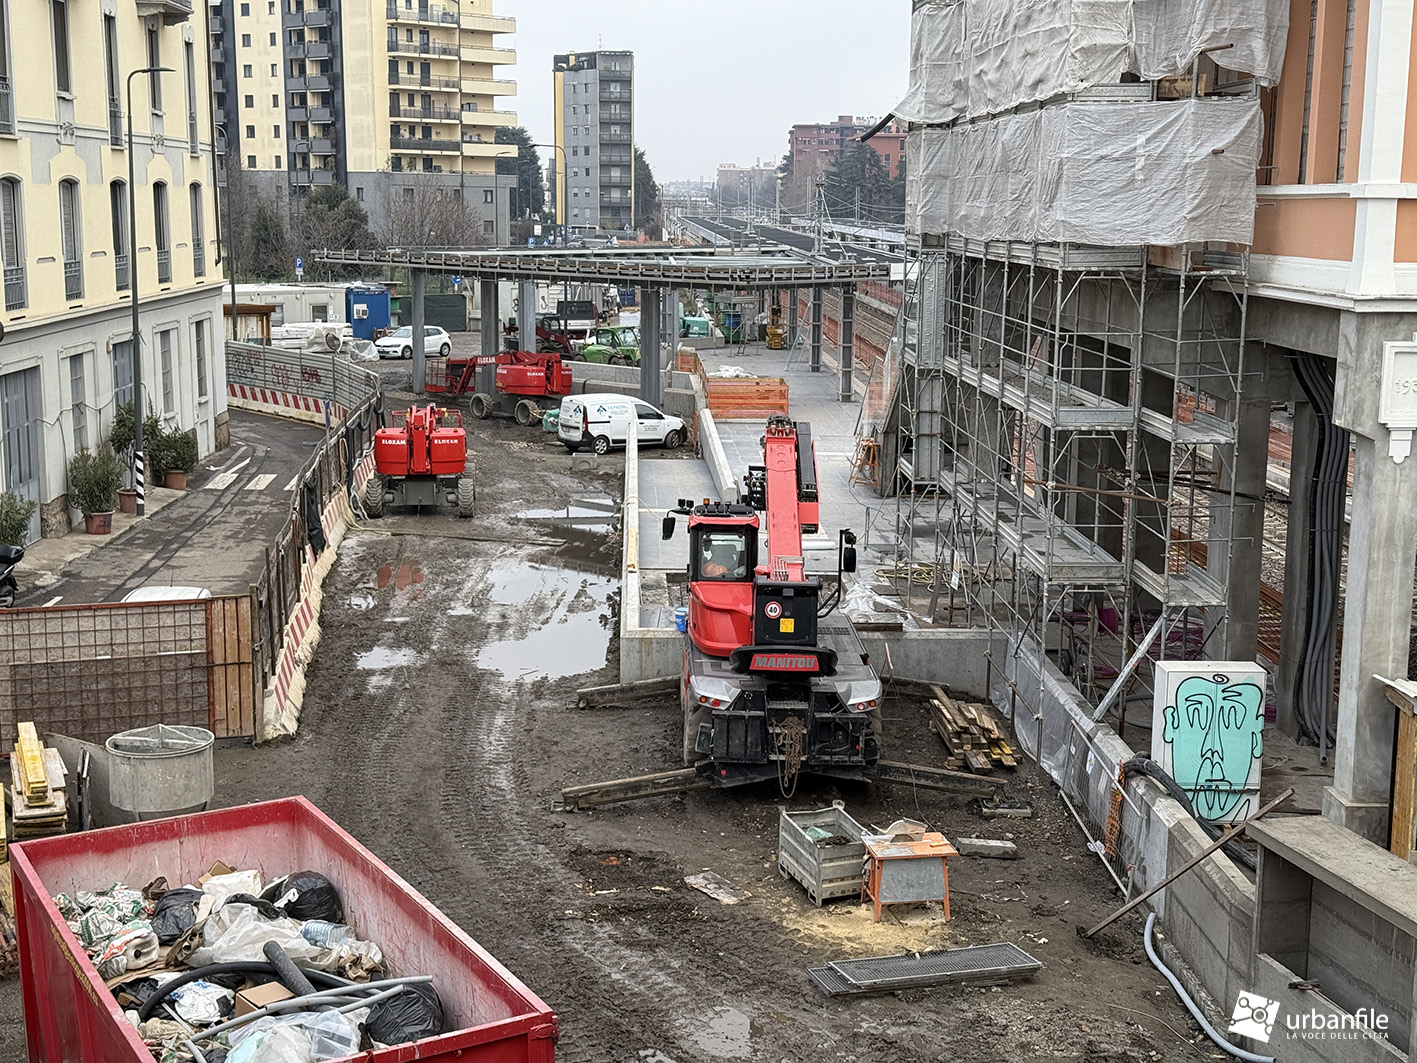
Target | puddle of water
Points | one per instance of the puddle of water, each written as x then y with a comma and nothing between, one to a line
724,1033
577,644
381,657
402,577
571,637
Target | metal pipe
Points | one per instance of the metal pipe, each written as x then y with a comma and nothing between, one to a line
313,998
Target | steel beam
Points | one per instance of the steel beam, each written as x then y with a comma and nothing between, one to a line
816,330
651,321
487,308
848,339
420,366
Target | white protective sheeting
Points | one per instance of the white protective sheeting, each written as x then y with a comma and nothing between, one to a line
1093,173
1169,34
973,58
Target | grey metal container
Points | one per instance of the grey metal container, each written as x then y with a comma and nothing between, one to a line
160,771
827,871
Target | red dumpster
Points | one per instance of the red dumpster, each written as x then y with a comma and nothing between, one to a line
71,1016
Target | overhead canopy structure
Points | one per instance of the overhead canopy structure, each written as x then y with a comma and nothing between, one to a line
664,270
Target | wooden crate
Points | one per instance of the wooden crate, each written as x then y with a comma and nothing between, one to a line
752,398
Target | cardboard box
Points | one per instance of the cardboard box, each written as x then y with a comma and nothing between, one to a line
249,1000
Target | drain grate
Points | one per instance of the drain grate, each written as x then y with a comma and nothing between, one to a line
884,973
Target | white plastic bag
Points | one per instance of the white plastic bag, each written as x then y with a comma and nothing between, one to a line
304,1038
221,887
201,1003
240,932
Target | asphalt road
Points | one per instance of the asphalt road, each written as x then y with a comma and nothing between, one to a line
215,536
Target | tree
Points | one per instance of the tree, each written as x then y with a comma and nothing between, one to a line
332,221
858,185
267,255
649,209
528,197
428,212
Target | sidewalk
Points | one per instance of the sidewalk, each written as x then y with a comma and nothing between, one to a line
46,560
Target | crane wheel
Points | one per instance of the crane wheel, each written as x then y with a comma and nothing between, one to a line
525,412
374,496
480,407
467,495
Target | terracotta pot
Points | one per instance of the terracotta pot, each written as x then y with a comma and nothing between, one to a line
127,500
99,523
175,480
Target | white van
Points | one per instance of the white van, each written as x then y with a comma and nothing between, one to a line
603,421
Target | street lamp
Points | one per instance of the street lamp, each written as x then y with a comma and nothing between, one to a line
137,343
561,176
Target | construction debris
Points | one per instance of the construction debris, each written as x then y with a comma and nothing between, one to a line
885,974
970,733
988,847
717,887
1004,808
38,804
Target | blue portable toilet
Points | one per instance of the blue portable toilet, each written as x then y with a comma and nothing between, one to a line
366,309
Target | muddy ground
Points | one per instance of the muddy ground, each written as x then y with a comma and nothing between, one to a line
438,727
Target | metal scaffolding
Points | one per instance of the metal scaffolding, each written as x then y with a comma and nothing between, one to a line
1067,437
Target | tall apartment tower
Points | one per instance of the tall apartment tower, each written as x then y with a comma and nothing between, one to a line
70,257
375,95
595,140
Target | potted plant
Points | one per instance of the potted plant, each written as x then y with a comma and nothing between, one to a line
94,479
15,514
120,438
178,450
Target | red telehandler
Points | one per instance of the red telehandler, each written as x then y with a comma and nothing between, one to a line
774,683
506,383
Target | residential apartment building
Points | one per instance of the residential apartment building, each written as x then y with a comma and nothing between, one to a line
815,145
69,256
379,96
746,187
595,140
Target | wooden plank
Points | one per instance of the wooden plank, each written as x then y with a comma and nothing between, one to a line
243,630
1404,799
30,753
232,632
244,683
218,688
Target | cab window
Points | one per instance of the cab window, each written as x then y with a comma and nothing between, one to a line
722,555
647,413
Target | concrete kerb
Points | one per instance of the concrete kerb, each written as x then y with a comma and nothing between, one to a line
645,653
717,460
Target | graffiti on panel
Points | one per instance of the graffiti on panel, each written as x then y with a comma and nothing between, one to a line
1208,733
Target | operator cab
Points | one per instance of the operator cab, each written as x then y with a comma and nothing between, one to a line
723,554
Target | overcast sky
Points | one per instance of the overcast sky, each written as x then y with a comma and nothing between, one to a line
722,80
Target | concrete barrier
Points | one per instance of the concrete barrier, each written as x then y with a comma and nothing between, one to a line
645,653
717,460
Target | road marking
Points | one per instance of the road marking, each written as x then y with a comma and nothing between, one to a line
260,483
240,465
54,601
220,483
290,486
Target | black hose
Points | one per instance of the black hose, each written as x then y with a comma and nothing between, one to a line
289,974
1144,765
327,981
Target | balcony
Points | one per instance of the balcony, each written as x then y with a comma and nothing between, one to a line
115,123
489,23
7,107
215,25
491,56
199,259
619,181
16,295
120,272
425,114
425,144
322,146
614,75
218,53
321,114
489,87
607,137
73,281
298,145
490,119
435,49
194,147
484,149
615,158
164,265
172,12
614,92
293,114
434,13
310,83
312,17
312,177
420,81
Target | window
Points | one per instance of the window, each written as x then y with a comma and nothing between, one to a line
277,162
273,40
59,16
110,70
78,407
118,212
275,70
250,132
199,346
575,150
249,101
12,244
575,193
164,349
275,99
245,40
722,555
246,70
245,10
271,7
70,239
489,228
199,236
275,131
154,60
161,234
359,193
489,196
250,162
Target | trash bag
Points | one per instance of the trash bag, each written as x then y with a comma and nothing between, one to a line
315,898
302,1038
412,1015
174,912
266,908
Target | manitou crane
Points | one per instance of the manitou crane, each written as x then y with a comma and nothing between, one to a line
774,685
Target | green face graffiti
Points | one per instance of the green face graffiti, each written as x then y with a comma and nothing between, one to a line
1215,731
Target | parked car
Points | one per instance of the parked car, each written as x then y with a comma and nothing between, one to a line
616,344
603,421
160,592
399,343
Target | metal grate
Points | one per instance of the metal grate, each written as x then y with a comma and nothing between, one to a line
884,973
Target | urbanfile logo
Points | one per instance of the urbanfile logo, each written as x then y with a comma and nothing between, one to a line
1254,1017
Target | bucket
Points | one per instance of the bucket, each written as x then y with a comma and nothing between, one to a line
160,771
681,619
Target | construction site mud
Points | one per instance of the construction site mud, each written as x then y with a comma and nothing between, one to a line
438,725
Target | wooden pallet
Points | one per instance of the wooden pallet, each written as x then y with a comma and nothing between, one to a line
970,733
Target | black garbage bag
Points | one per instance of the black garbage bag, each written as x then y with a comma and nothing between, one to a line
412,1015
266,908
174,912
316,897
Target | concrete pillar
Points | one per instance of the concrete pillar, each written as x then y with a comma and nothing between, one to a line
792,318
669,331
1297,537
1238,568
1377,624
420,368
848,339
651,322
526,315
487,298
816,330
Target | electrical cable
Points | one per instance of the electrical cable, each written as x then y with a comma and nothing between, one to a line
1196,1013
234,967
1144,765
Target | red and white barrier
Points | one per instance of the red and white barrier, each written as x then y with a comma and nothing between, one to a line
282,403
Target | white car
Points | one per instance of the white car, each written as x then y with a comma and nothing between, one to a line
603,421
157,592
399,344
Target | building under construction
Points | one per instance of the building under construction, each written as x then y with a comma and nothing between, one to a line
1139,227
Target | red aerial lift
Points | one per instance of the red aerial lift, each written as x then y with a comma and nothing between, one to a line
502,383
774,685
423,454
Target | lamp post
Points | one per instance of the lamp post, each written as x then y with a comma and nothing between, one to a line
136,341
561,176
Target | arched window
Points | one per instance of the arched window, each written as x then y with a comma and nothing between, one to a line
12,243
71,239
162,238
199,240
122,252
